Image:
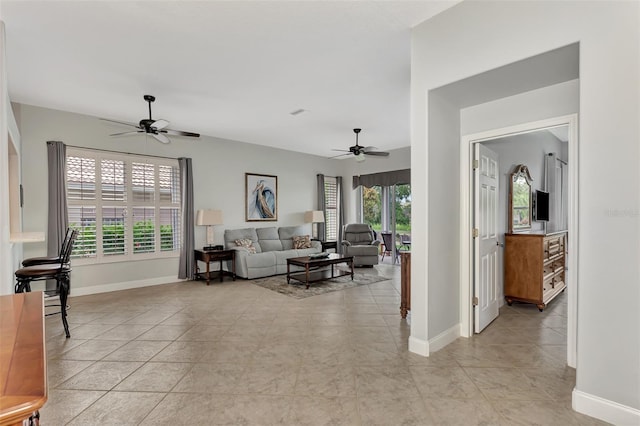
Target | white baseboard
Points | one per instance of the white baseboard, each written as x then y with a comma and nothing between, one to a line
105,288
603,409
418,346
444,338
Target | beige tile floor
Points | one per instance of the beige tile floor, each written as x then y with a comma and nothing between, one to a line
236,354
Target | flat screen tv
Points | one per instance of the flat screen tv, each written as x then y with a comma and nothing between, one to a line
541,206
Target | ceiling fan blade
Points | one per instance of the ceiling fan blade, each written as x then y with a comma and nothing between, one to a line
160,137
121,122
377,153
340,155
127,133
160,124
180,133
341,150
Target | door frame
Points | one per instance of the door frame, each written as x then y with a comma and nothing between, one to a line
466,218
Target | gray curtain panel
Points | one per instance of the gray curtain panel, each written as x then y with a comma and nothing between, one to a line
58,218
187,259
322,205
340,212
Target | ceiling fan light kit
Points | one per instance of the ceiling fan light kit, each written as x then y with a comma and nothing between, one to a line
156,128
359,151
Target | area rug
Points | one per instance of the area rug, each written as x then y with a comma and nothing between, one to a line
299,290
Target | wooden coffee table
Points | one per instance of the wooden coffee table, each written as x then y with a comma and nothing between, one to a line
316,269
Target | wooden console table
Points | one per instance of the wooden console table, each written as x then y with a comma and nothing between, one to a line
405,283
209,256
23,364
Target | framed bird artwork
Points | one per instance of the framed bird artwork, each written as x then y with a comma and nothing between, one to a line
261,197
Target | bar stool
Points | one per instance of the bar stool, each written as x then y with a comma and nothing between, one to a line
51,259
60,272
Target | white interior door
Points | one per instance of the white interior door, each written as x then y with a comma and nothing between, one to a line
485,237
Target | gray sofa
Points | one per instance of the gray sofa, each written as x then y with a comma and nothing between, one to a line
273,247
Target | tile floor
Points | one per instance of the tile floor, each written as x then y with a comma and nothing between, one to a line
237,354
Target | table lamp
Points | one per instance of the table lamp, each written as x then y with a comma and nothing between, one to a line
209,218
313,217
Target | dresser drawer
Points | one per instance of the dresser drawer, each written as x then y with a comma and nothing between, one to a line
534,267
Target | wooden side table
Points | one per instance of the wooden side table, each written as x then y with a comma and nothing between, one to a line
329,245
209,256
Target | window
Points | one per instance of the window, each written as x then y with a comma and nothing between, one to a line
123,206
331,208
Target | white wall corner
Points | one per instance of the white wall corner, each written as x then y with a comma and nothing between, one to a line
603,409
105,288
418,346
444,338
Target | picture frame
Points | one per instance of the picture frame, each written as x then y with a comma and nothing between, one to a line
261,197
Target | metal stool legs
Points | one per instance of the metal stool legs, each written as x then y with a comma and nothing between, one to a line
64,293
24,277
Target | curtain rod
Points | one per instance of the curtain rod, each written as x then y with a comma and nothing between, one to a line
558,159
119,152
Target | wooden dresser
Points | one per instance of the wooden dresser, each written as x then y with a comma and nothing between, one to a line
534,267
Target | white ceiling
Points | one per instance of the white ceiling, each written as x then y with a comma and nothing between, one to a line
229,69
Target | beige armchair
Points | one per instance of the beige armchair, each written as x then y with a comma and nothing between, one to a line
359,241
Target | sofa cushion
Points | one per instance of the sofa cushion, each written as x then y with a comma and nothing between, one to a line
231,235
262,260
269,239
361,251
301,242
287,233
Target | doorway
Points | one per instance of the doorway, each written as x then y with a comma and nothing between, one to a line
387,209
467,221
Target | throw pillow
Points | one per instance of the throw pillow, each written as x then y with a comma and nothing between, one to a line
246,243
301,242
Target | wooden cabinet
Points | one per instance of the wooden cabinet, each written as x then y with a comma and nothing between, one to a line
405,283
534,267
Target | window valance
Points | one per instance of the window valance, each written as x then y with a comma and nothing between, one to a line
395,177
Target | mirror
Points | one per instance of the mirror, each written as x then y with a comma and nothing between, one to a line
520,199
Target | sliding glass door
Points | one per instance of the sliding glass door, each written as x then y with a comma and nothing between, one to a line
388,210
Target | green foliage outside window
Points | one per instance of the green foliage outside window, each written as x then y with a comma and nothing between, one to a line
114,236
372,207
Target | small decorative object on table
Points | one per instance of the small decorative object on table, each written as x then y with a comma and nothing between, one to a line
322,255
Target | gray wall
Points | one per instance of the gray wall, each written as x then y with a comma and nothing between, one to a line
219,167
492,34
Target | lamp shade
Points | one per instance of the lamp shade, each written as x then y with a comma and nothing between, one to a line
209,217
314,216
